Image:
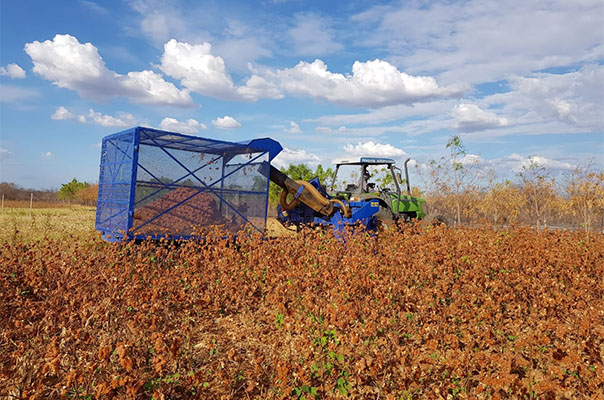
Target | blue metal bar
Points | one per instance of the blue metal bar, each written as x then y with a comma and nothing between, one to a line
135,148
222,184
268,183
101,178
149,134
196,177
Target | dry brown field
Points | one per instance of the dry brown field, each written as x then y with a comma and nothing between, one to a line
420,313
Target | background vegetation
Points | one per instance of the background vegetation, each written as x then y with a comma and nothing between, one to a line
457,186
73,192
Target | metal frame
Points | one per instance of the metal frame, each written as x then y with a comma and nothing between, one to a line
261,152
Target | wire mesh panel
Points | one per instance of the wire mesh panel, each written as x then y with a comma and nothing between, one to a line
181,184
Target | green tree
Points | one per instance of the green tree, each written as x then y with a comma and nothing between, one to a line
382,176
69,190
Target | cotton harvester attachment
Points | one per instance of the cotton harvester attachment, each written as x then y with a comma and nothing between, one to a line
304,192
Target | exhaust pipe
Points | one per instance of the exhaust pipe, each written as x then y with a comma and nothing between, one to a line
407,177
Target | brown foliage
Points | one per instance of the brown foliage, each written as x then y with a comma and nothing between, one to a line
87,195
451,313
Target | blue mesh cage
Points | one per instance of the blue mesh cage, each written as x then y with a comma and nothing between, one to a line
155,183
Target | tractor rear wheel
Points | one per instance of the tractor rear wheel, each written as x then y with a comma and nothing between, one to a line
384,219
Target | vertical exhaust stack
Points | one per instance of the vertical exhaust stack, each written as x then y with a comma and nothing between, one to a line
407,176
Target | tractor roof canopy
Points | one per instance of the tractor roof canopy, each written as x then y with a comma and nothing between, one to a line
363,160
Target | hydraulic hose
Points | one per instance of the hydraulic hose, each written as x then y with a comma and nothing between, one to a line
345,209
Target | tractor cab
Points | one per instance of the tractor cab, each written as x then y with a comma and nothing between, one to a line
363,176
376,179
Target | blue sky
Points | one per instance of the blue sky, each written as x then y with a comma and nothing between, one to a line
516,80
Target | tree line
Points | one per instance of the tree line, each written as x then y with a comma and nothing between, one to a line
455,186
72,192
458,187
12,191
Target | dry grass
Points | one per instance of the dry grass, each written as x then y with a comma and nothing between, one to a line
36,204
17,225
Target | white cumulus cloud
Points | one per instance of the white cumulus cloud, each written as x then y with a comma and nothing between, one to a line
469,118
204,73
62,113
517,163
471,159
13,70
48,155
189,126
148,87
293,128
295,156
197,68
226,122
573,98
121,120
372,149
72,65
372,84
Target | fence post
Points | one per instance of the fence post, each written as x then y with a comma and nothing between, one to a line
31,203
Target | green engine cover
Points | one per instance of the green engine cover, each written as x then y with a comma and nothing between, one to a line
409,204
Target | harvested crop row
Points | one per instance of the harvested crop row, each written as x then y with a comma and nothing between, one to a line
462,313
